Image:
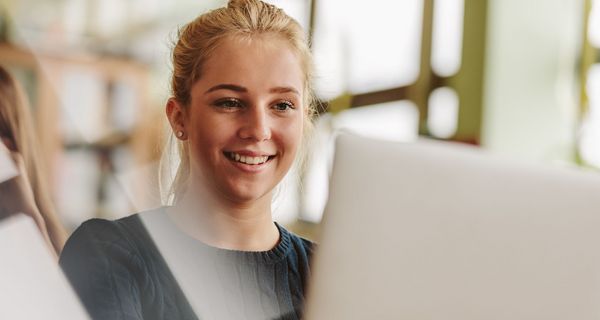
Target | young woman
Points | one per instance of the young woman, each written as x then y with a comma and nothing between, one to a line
240,108
28,192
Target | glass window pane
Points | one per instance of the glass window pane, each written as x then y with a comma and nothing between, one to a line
367,46
594,24
442,119
590,131
446,46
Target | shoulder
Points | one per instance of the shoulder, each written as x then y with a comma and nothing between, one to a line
306,245
302,247
107,264
103,232
101,238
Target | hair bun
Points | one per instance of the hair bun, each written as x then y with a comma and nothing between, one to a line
233,4
245,4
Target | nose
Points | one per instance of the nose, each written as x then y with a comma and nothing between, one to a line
255,125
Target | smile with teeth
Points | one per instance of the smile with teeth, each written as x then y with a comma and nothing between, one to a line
247,159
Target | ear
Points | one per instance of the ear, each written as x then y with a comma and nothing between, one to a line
177,118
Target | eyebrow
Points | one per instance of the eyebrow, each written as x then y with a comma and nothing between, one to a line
284,90
227,86
234,87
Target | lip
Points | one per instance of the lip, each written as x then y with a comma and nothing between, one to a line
250,168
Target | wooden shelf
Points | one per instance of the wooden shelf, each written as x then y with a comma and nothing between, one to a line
51,81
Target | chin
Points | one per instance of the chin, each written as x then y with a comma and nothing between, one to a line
247,195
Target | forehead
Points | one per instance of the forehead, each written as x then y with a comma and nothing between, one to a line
256,62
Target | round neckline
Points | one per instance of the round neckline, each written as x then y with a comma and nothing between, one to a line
271,256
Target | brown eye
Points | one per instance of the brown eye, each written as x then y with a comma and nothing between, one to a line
283,106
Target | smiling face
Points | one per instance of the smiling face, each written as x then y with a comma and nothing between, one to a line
245,119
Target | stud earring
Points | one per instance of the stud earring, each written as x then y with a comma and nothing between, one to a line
179,134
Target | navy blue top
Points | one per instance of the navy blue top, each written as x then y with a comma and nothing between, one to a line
117,269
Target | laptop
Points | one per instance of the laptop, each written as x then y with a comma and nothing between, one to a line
434,230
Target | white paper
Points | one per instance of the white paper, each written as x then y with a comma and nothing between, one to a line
33,285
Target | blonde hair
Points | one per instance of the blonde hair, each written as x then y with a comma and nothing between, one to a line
16,126
199,38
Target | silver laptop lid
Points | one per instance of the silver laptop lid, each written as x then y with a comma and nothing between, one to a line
437,231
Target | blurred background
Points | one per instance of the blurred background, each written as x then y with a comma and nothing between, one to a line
520,78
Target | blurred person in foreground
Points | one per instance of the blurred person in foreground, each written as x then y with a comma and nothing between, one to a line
240,109
28,192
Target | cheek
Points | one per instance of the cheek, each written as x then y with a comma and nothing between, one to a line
206,130
204,137
293,134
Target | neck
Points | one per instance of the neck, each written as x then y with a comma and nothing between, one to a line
227,225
